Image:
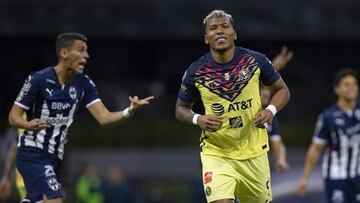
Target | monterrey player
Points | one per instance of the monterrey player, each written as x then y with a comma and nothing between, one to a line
50,98
338,128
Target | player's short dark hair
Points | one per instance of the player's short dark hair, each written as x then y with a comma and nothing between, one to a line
217,14
342,74
65,40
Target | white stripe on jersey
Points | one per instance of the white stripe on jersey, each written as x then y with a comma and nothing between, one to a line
335,166
21,105
63,134
55,133
344,154
354,157
92,102
41,134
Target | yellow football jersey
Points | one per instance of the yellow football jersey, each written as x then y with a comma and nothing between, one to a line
231,90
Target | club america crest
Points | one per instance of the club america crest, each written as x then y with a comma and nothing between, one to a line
72,92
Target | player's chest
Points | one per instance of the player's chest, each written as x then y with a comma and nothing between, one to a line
228,83
60,98
347,124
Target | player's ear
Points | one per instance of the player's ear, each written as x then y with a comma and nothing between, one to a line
63,53
205,39
235,35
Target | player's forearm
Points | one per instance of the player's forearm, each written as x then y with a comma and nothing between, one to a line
311,159
10,161
183,111
111,119
184,114
18,121
279,150
280,98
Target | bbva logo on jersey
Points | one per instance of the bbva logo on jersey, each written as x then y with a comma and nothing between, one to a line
60,106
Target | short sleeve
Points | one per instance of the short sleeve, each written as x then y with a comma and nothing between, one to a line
188,92
268,74
274,131
90,92
321,133
29,92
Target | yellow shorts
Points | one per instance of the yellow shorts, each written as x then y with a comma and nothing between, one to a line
248,180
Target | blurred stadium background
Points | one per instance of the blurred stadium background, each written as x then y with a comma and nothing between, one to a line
143,47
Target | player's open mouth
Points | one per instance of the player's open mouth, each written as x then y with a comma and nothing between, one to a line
220,39
82,64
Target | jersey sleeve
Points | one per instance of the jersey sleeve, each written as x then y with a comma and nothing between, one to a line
29,92
268,74
90,92
274,131
188,92
321,133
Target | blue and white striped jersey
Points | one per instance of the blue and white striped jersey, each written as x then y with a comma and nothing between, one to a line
341,132
45,98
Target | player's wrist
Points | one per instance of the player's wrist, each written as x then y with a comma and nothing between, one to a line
127,112
272,109
195,119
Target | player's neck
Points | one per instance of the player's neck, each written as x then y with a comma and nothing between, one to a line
64,76
223,57
346,105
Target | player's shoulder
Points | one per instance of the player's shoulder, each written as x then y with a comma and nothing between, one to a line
84,79
40,75
331,112
201,61
256,54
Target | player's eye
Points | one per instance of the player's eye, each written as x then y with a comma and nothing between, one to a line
212,27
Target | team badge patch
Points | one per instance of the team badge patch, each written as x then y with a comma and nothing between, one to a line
72,92
25,89
208,191
53,183
227,83
208,177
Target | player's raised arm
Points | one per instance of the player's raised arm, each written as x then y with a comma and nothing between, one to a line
108,119
281,60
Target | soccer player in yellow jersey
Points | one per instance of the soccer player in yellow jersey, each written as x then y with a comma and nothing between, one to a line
234,141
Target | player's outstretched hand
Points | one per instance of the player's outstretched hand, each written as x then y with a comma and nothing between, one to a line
136,103
210,123
5,188
302,187
281,60
37,125
263,118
